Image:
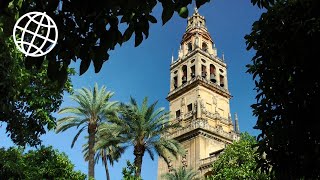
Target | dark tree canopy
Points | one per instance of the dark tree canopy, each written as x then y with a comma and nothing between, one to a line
88,29
44,163
286,41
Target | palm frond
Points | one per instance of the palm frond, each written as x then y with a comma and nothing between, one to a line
181,174
77,135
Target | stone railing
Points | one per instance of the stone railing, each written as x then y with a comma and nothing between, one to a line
189,114
203,124
208,160
217,116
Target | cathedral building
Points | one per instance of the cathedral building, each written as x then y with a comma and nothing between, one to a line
199,101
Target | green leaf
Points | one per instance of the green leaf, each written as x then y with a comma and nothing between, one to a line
100,57
166,14
127,34
85,63
138,39
152,19
201,2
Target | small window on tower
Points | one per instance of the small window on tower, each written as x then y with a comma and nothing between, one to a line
189,47
213,73
184,72
204,47
221,80
204,71
178,113
193,71
190,107
175,82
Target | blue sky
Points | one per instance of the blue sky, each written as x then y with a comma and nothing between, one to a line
144,71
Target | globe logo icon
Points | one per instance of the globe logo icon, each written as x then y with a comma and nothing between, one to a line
35,34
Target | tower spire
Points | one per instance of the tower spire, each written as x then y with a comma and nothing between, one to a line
236,123
172,58
196,10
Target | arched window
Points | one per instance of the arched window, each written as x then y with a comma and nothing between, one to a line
193,71
189,47
221,80
203,71
175,82
208,174
204,46
213,73
184,74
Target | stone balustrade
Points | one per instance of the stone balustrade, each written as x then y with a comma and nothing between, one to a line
202,124
217,116
208,160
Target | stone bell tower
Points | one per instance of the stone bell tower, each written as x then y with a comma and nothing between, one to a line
199,101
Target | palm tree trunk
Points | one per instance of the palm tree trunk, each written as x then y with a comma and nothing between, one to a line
91,132
138,153
104,159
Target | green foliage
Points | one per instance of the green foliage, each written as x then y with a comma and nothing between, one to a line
82,25
142,127
108,148
238,161
129,172
94,109
28,96
286,41
43,163
181,174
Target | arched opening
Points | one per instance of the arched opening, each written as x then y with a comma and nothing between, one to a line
203,71
208,174
221,80
175,82
213,73
204,46
193,71
189,47
184,74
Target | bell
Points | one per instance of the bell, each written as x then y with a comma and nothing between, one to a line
222,85
193,75
213,78
204,74
184,79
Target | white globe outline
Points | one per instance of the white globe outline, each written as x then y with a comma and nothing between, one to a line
31,16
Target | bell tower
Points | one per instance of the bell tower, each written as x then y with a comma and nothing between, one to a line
199,100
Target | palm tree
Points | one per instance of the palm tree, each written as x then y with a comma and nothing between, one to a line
109,147
142,128
94,108
181,174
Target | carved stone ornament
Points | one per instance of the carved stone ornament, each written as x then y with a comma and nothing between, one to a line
214,100
184,161
170,165
183,102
